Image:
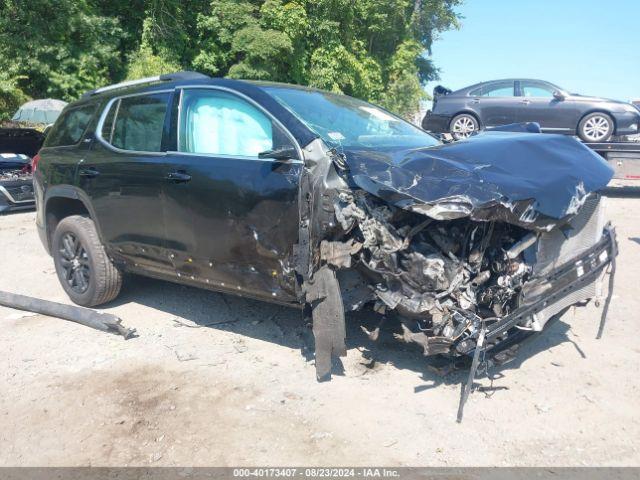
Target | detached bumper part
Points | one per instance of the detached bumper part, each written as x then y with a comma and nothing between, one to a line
323,294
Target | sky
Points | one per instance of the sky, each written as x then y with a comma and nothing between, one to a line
591,47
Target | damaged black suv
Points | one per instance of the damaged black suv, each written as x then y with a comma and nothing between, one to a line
304,197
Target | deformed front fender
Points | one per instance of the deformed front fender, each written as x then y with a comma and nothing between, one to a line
319,286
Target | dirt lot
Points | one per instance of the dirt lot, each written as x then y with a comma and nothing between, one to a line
242,393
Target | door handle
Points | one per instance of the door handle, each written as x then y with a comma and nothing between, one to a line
475,100
179,176
526,102
89,172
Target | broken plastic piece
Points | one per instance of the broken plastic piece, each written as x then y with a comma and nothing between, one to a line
610,232
323,294
466,389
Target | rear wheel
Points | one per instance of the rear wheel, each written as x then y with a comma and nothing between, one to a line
85,271
595,127
463,125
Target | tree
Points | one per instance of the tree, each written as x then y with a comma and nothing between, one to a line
11,96
376,50
371,49
57,48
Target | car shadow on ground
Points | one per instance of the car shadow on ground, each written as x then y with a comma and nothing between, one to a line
285,326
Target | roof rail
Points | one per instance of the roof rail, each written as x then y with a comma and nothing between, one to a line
166,77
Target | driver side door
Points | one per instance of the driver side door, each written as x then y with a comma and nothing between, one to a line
231,216
541,106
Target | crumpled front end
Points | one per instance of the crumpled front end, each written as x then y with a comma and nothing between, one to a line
497,234
446,280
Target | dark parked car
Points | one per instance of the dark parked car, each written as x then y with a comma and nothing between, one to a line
501,102
308,198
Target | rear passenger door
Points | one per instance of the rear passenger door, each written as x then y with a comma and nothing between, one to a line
496,103
231,216
123,174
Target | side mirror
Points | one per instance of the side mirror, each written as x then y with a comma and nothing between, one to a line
286,152
558,95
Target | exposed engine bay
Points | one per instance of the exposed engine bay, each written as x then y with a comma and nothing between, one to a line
446,279
18,145
16,182
12,174
441,277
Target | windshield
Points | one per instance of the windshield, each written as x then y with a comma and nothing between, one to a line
344,121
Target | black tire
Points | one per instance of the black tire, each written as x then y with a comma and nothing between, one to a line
463,125
85,271
596,127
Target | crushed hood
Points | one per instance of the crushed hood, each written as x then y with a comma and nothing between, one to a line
531,180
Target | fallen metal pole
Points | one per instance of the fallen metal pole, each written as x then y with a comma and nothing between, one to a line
105,322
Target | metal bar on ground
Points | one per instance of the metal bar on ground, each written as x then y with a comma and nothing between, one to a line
105,322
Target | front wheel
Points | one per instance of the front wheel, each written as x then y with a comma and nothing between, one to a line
85,271
463,126
595,127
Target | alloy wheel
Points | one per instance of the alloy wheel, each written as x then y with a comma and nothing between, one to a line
74,261
596,128
463,127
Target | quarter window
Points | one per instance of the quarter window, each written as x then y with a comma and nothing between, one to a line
70,126
220,123
136,123
499,89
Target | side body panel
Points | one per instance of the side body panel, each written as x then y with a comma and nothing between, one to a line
552,114
559,116
234,224
125,190
231,221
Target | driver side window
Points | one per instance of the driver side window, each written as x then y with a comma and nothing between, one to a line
220,123
536,90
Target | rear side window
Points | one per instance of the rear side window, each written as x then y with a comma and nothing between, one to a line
220,123
70,126
136,123
498,89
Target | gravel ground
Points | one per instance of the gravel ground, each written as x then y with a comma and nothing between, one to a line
242,393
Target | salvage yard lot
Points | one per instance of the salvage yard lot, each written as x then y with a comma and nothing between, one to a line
191,390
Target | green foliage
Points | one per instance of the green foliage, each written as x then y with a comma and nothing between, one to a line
58,48
373,49
146,62
11,96
405,70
